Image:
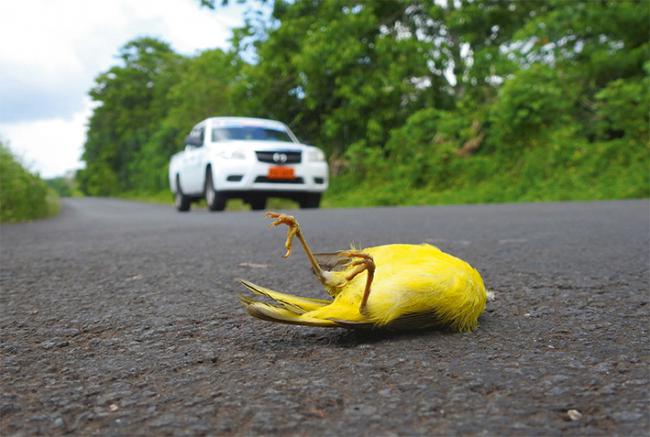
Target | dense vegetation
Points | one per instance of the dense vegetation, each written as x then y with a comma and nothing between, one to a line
23,196
64,186
413,101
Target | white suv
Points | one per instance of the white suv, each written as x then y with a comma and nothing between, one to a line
247,158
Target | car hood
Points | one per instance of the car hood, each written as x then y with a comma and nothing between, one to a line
262,145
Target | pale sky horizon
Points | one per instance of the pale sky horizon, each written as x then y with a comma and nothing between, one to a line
58,47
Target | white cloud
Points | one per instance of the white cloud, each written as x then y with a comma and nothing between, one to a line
52,146
53,49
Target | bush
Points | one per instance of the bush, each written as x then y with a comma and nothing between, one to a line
623,109
530,104
23,196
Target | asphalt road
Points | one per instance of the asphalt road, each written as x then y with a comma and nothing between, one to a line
122,318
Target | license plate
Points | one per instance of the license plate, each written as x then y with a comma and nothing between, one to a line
281,173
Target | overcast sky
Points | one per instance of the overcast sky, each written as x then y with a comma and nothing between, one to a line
52,50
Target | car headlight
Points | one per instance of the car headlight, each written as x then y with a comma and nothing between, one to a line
231,154
315,155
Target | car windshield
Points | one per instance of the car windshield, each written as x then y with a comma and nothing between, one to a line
249,133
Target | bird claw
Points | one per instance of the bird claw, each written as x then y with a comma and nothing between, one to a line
281,219
291,222
294,230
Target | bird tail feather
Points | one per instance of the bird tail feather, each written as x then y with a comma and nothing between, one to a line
290,309
285,308
294,304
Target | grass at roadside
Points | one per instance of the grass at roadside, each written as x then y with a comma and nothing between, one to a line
603,171
496,189
23,196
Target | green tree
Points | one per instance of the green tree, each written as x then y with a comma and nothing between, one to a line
131,102
146,106
341,72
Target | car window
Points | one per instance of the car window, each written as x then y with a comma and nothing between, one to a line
257,133
196,134
201,134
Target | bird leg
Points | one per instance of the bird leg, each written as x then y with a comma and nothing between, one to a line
363,263
329,279
294,230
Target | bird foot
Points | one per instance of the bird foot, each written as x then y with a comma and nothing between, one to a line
291,222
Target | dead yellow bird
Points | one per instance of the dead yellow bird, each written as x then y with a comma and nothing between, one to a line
398,286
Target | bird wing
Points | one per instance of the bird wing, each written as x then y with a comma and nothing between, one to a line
427,319
272,313
351,324
332,261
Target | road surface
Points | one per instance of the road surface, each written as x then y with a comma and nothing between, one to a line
123,318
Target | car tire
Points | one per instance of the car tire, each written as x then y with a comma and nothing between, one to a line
311,200
258,203
181,201
216,200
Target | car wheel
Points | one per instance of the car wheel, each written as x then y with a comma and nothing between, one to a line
216,200
181,201
311,200
258,203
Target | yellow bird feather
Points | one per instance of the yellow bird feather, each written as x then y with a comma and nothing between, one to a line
399,286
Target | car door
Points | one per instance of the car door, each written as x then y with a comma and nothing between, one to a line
193,180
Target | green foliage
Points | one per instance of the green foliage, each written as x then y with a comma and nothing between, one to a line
60,186
623,108
23,196
530,104
132,101
564,171
414,101
64,186
341,72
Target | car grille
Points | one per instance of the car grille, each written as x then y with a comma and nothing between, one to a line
264,179
279,157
